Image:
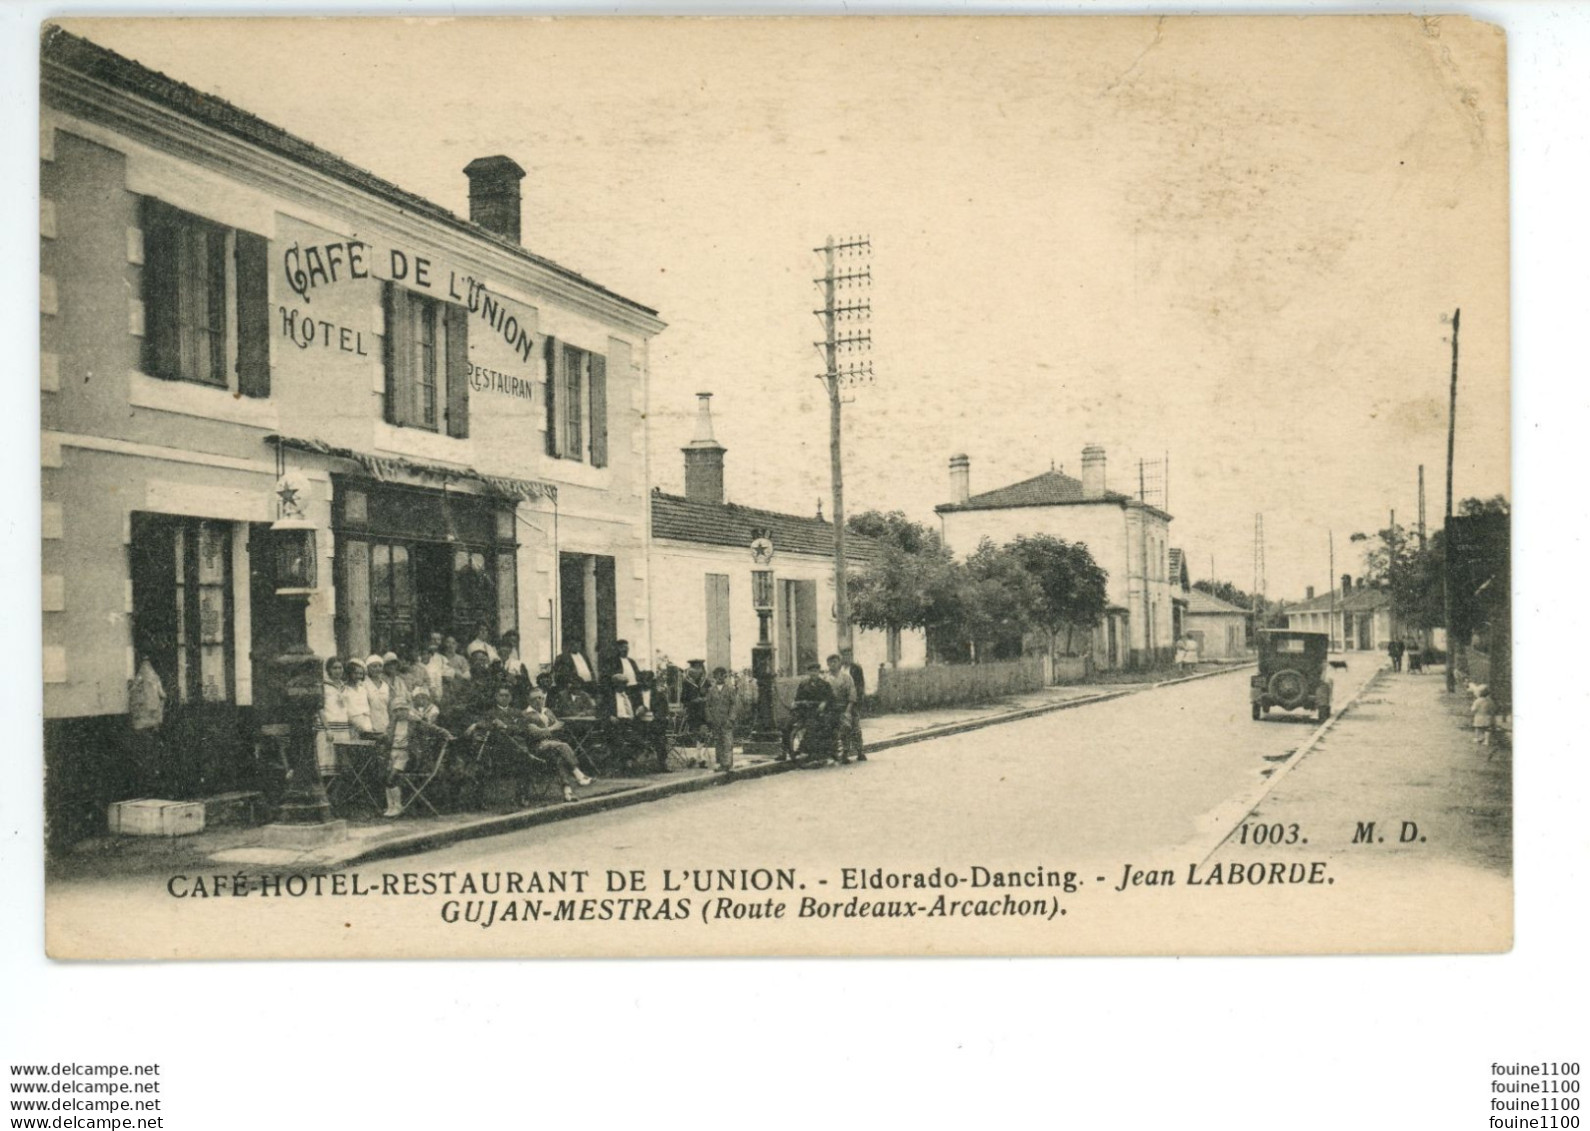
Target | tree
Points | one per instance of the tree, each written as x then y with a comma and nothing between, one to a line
901,589
894,529
1496,504
1225,591
1415,577
995,599
1070,588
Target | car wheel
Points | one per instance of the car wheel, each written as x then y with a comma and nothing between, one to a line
1324,713
1257,713
1288,688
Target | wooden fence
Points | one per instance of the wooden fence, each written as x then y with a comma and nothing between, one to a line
954,685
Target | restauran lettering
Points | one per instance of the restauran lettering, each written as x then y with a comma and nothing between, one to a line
483,380
304,332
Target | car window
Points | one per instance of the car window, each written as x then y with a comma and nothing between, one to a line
1289,646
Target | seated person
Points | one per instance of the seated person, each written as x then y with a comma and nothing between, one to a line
502,748
543,726
426,735
650,733
417,744
813,724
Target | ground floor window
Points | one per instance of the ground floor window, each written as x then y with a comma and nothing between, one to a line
587,605
797,626
181,570
412,561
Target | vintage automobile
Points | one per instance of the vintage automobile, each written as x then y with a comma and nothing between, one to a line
1292,673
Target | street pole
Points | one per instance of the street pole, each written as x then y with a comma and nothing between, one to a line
836,378
1446,579
1330,587
1421,508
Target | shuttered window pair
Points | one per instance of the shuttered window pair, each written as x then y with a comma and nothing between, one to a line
426,352
192,332
576,400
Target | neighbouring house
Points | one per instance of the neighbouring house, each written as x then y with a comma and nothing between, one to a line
1358,617
705,552
1220,628
1128,538
237,323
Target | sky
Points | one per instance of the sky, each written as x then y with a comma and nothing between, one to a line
1227,244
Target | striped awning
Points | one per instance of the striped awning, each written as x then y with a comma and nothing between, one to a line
390,468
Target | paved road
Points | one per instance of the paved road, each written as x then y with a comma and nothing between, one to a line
1088,790
1137,775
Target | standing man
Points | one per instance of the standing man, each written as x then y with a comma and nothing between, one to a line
514,669
719,703
1395,648
844,707
858,676
693,687
435,664
623,678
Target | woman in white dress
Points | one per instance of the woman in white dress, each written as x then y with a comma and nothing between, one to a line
331,727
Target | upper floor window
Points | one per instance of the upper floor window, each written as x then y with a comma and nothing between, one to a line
206,301
576,403
426,350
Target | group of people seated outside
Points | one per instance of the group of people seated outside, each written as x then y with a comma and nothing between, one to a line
479,715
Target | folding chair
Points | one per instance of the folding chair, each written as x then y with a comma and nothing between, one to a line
415,782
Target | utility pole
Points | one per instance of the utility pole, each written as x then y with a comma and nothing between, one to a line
1330,586
1446,578
1258,570
846,364
1421,508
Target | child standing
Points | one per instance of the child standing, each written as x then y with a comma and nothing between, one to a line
1484,715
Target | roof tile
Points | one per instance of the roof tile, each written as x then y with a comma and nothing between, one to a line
728,524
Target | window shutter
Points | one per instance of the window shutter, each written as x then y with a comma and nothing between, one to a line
553,353
253,315
159,296
396,350
457,321
598,410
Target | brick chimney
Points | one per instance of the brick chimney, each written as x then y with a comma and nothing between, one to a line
960,478
1309,596
1347,583
494,194
704,457
1093,472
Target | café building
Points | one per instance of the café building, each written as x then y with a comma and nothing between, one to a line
275,385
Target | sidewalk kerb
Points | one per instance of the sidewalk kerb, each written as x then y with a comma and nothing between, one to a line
1303,751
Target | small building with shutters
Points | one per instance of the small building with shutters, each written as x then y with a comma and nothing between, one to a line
1128,537
702,565
1358,617
1222,630
228,312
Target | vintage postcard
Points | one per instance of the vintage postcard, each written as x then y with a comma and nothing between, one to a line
843,486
